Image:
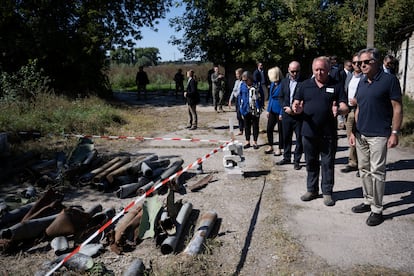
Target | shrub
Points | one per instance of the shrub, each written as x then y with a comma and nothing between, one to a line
24,84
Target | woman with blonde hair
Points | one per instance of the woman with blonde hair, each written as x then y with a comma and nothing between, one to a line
274,110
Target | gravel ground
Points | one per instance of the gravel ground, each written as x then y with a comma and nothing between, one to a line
263,228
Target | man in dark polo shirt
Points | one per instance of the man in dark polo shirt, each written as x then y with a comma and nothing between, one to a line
378,119
320,99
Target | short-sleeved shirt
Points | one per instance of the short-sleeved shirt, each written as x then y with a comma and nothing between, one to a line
318,118
374,103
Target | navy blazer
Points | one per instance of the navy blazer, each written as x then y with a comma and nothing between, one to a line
284,95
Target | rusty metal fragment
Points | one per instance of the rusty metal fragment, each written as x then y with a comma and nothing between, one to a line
201,183
203,230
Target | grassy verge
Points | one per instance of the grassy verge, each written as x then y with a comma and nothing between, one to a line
53,115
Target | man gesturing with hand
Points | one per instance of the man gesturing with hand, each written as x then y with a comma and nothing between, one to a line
320,99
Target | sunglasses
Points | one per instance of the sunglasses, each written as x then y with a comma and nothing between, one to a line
293,71
366,62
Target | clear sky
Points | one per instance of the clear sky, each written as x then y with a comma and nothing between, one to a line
160,39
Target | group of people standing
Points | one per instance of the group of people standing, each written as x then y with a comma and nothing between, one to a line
370,100
366,94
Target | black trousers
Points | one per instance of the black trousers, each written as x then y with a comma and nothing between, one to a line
271,123
325,148
251,121
292,125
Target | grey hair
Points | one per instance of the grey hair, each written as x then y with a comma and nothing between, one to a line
373,51
247,75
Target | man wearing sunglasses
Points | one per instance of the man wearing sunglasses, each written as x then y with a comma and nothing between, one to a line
378,119
351,84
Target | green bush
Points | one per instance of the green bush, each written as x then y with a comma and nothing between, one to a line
24,84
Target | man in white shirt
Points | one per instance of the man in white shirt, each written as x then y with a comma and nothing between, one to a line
351,84
388,64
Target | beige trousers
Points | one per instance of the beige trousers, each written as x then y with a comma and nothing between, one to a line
372,157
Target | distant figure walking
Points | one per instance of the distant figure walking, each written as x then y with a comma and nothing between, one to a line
179,82
193,98
142,80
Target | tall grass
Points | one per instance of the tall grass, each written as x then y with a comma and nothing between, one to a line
53,114
122,76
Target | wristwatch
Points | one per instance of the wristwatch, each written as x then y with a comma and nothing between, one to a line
396,132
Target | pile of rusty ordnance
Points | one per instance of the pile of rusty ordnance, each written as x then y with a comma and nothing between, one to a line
37,219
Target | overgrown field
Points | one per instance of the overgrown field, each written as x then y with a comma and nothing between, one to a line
122,76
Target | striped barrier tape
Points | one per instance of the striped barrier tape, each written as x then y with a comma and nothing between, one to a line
130,205
141,138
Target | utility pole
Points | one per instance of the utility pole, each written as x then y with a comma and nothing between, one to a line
371,23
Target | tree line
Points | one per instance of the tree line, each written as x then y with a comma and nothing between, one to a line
278,31
70,40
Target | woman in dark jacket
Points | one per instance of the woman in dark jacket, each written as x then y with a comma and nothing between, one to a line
193,98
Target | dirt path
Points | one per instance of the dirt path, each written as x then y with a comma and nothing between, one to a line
263,227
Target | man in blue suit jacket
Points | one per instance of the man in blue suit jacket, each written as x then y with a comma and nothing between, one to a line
291,122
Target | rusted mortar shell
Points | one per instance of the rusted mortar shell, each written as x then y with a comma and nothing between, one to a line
98,178
28,229
136,268
110,177
105,166
202,232
170,243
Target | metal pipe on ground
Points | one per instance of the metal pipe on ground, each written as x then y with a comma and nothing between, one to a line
136,268
203,230
128,189
16,215
143,189
170,243
28,229
147,167
174,167
136,165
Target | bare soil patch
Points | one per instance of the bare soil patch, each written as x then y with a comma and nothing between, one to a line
262,227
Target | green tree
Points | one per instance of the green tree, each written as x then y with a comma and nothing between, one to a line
240,31
70,39
147,56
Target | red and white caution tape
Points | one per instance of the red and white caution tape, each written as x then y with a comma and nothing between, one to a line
130,205
141,138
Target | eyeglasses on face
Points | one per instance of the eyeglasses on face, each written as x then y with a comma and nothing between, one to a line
366,62
355,62
294,71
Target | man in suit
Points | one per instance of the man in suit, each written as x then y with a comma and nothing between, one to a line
291,122
260,78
